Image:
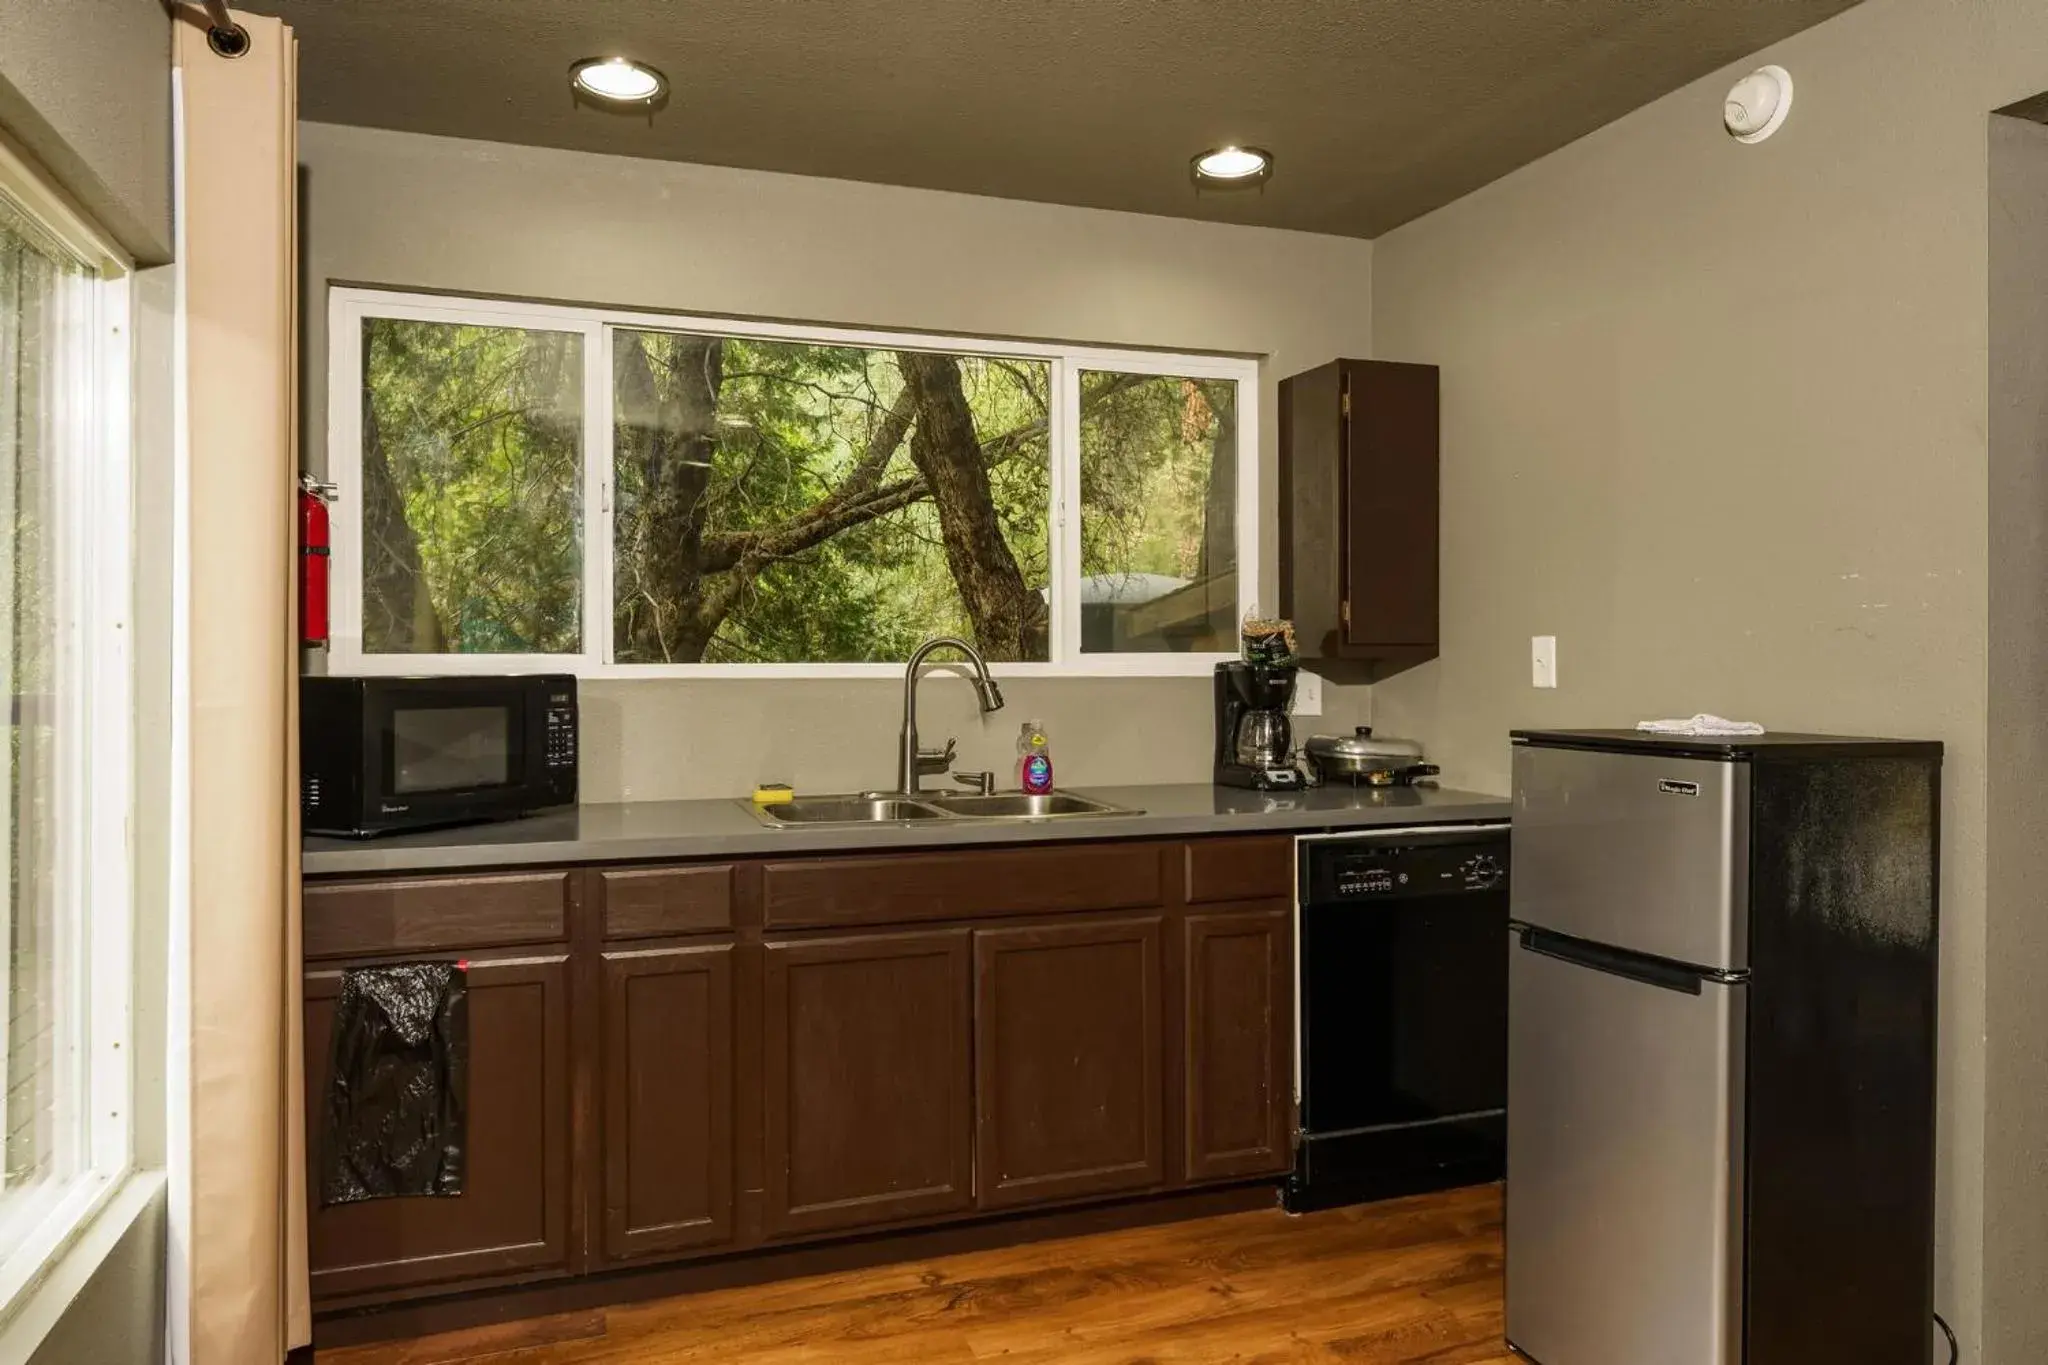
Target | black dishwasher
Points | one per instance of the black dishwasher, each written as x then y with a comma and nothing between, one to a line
1403,995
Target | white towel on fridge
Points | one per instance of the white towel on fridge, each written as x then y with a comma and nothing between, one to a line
1701,724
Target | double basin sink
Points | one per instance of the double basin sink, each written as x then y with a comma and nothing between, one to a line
891,808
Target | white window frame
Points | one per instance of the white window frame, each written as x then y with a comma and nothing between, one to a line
95,618
348,307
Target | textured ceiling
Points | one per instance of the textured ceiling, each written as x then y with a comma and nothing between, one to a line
1376,110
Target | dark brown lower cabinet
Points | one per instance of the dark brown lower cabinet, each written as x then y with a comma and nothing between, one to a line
878,1042
867,1104
668,1099
1239,1031
512,1216
1068,1060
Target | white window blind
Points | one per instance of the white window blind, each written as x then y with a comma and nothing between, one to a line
64,604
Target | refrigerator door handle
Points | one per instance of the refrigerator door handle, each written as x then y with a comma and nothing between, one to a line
1649,971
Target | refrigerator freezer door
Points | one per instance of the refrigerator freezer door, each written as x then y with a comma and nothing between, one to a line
1624,1163
1641,852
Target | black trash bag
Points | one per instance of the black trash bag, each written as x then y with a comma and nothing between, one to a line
398,1083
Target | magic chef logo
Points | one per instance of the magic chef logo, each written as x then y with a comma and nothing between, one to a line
1671,788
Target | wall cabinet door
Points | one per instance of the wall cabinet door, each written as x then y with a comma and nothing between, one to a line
1390,506
668,1100
513,1213
1067,1051
868,1107
1239,1039
1359,507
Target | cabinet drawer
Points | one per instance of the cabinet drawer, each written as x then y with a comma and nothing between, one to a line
428,914
985,881
646,903
1240,870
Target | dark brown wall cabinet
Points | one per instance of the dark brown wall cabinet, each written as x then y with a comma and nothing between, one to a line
668,1099
1068,1060
1358,515
513,1213
868,1103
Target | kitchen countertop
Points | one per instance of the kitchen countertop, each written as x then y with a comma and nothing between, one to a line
648,830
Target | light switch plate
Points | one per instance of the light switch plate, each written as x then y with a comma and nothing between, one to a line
1543,661
1308,694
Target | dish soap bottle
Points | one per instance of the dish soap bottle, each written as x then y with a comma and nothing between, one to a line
1034,760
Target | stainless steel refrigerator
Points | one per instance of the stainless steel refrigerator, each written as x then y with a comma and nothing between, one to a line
1721,1052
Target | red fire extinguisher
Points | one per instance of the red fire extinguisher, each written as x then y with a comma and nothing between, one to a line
315,549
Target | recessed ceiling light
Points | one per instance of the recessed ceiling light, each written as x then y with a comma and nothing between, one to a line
1231,167
618,80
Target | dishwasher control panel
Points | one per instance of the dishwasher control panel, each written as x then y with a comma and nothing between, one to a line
1369,869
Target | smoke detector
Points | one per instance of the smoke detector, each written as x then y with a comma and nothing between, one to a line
1757,106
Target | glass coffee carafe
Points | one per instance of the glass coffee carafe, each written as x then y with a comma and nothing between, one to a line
1264,739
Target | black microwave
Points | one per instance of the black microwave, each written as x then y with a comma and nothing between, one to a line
378,755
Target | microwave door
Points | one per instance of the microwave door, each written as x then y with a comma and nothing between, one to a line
450,748
448,754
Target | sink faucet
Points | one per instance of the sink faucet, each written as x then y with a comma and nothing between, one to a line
914,762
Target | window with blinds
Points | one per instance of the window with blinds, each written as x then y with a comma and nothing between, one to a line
64,603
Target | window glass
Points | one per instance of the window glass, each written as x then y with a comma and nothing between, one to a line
1158,514
472,506
784,502
42,1137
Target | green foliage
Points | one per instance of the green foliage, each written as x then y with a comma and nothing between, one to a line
1146,449
482,431
725,450
1158,464
793,422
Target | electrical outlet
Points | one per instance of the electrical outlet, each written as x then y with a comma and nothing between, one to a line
1308,694
1543,661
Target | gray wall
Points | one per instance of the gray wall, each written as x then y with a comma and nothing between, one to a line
410,211
85,86
1714,416
2016,1007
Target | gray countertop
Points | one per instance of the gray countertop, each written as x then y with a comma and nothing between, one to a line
645,830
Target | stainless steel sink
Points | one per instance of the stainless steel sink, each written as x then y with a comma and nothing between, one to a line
1019,806
846,810
890,808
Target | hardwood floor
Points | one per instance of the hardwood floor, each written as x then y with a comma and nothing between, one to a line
1417,1280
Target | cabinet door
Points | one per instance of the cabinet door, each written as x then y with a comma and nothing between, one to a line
1390,505
1067,1049
868,1106
668,1099
512,1214
1239,1040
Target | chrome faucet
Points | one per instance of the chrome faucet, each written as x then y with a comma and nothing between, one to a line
914,762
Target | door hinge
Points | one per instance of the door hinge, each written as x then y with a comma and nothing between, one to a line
1345,403
1344,613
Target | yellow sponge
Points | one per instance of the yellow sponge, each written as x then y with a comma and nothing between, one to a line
774,794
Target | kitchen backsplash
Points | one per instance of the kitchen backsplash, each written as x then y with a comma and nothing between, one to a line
658,740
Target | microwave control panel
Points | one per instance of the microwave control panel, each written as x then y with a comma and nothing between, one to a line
561,732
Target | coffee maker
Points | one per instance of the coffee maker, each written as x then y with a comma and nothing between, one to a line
1254,742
